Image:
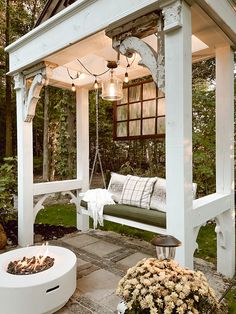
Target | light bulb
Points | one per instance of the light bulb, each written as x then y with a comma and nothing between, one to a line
95,84
112,89
73,87
126,79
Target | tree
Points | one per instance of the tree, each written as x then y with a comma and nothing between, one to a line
8,145
16,18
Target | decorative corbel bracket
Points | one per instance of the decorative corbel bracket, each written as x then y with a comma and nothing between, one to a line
172,14
195,234
74,199
148,55
32,98
39,205
127,40
220,229
36,78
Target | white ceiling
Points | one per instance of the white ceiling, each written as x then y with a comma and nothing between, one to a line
96,50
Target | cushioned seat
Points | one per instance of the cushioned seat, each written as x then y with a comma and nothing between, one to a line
149,217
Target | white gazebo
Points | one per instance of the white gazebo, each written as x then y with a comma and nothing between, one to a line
186,31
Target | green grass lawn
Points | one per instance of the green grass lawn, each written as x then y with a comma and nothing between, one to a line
66,215
58,215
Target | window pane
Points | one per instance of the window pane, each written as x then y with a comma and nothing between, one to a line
161,125
149,126
124,100
121,129
134,93
134,128
122,113
161,107
149,108
135,110
149,90
160,93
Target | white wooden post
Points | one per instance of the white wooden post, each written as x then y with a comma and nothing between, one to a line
178,78
225,158
82,126
25,169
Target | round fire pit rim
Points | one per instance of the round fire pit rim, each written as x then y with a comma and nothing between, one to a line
65,259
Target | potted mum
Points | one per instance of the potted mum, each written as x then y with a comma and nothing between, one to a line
163,287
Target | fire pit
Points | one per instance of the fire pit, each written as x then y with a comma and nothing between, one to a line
38,293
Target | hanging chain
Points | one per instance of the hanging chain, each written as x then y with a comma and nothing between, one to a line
97,156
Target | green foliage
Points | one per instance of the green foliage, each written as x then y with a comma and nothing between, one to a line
8,186
61,134
204,138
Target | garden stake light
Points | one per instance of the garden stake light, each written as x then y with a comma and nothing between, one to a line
165,246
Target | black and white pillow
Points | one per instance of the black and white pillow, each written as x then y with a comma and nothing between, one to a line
137,191
116,185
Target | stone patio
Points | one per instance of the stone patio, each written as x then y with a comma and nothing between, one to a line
102,259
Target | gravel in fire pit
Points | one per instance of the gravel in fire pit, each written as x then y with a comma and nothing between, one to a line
28,266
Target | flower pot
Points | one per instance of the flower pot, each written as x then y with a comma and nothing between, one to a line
3,238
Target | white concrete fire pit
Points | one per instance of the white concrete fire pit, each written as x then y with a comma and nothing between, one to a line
41,293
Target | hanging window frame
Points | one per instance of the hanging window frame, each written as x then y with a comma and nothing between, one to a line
127,120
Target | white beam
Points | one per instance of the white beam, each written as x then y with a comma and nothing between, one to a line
82,127
25,169
225,157
178,77
56,186
80,20
208,207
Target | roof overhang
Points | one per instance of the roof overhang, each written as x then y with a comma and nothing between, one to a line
78,31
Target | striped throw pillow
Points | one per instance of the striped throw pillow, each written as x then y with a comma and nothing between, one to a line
137,191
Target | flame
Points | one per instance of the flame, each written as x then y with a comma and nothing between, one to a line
33,264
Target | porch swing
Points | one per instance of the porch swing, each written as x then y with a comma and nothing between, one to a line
129,211
132,214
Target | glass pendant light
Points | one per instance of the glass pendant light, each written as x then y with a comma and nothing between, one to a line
113,88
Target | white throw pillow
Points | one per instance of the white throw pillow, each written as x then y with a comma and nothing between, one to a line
116,184
137,191
158,197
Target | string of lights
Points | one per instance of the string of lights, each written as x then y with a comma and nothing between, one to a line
113,85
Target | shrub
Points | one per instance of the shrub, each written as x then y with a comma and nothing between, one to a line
162,286
8,188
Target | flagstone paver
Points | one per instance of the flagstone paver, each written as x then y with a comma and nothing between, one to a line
81,241
132,260
98,285
101,248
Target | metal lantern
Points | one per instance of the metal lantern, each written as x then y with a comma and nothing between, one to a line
113,88
165,246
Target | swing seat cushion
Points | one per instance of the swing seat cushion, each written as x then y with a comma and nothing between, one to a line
150,217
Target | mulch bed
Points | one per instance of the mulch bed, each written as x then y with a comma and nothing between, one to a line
48,232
